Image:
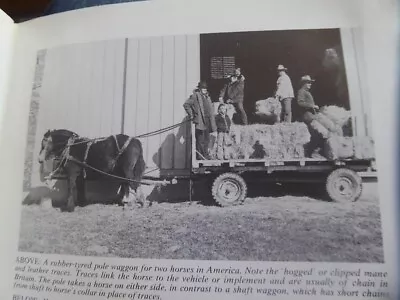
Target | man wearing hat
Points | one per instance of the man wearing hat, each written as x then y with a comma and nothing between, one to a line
284,93
233,93
199,108
305,100
308,110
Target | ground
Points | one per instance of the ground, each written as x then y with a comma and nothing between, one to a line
279,228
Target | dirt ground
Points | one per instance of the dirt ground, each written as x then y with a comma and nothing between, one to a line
279,228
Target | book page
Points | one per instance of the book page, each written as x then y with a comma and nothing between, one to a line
166,150
7,29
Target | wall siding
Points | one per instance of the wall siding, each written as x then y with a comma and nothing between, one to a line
160,78
358,42
352,45
83,90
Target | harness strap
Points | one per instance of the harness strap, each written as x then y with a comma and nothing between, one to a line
86,156
121,150
126,144
70,142
66,153
116,143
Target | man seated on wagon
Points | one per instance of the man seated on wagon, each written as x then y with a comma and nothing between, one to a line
200,109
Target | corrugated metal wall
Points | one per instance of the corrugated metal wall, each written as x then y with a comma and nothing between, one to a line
353,51
161,74
84,90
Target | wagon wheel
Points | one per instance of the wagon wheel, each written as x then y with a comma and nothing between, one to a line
344,185
229,189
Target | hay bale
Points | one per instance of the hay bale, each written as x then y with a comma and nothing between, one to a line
318,127
336,114
338,147
269,109
329,124
261,141
364,147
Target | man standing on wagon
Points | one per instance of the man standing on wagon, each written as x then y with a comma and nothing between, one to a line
284,93
233,93
200,109
308,110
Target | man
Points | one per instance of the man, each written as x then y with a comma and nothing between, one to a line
199,108
233,93
305,100
308,110
284,93
239,75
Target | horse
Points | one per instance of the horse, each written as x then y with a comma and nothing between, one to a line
117,156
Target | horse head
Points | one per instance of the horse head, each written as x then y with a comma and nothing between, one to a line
54,143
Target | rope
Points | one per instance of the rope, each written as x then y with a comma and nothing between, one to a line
162,130
144,135
152,170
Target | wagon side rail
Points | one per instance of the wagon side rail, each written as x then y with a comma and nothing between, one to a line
195,162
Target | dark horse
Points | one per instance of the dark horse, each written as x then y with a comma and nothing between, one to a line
82,158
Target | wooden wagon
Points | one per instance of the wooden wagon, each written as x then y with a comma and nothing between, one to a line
342,179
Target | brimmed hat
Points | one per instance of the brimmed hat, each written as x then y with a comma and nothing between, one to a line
306,78
281,68
202,85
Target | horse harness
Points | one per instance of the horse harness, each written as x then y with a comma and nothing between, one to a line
89,144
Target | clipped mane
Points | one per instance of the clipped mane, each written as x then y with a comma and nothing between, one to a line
60,132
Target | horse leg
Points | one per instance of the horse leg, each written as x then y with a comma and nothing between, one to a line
121,195
80,186
73,173
131,197
132,194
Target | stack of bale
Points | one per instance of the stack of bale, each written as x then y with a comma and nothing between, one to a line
353,147
284,141
261,141
337,146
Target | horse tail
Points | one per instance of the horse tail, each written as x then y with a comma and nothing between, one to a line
140,166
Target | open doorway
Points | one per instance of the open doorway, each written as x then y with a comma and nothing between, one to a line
315,52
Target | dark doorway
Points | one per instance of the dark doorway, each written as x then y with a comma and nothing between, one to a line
314,52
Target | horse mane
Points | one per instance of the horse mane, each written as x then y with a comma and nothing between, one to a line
60,137
60,132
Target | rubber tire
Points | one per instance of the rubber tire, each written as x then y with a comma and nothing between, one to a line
351,177
229,178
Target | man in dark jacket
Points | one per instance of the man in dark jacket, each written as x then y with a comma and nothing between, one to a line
306,101
199,108
233,93
308,111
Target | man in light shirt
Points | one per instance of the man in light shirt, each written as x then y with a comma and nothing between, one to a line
284,93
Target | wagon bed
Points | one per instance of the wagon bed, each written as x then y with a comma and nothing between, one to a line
343,179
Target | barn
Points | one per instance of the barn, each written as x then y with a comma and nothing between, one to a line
138,85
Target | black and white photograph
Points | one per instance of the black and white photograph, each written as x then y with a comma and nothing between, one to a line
244,146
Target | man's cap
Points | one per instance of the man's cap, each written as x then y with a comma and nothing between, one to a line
281,68
202,85
306,78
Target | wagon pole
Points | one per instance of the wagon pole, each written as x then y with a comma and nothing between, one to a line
143,181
